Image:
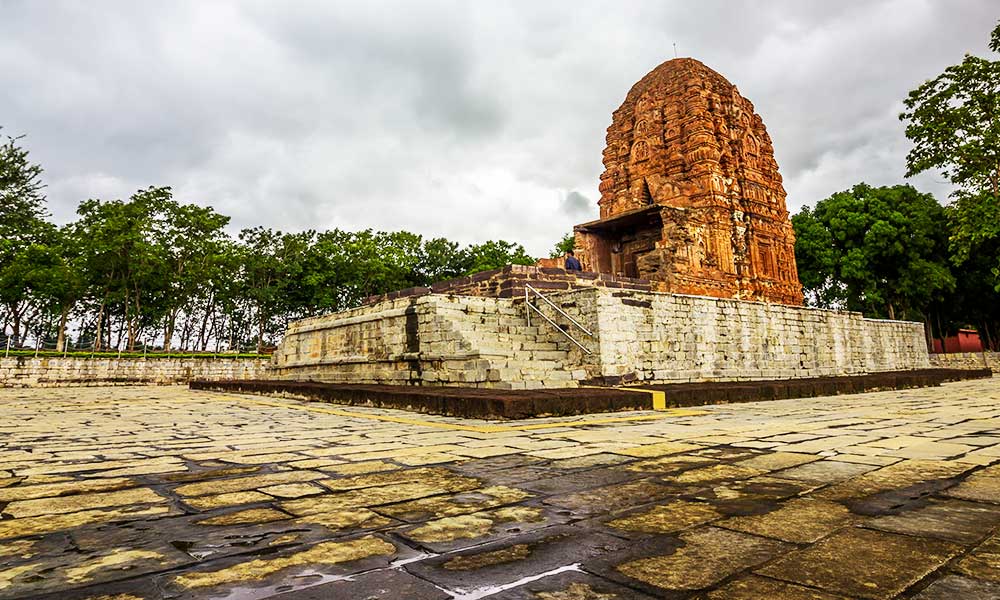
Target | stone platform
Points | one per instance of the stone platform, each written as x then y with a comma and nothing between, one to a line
523,404
637,336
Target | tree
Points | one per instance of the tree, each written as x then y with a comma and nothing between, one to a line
127,268
56,278
274,268
882,251
440,260
816,258
190,241
954,123
566,244
974,303
22,225
494,254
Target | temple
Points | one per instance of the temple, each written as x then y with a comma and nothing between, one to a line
691,198
689,275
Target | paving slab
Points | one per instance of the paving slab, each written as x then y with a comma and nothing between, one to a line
983,562
801,521
953,587
139,588
452,505
579,480
752,496
662,518
981,486
461,531
611,498
863,563
753,587
570,585
953,520
383,584
936,475
54,564
694,560
291,569
671,464
516,558
826,471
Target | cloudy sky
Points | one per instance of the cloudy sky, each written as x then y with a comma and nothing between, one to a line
470,120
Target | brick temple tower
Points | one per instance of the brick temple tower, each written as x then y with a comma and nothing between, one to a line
691,197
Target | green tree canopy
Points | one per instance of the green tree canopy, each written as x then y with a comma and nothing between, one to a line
23,228
127,272
881,250
954,123
495,254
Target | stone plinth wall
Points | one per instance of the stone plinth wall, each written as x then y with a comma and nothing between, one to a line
655,337
967,360
638,336
430,339
32,372
509,282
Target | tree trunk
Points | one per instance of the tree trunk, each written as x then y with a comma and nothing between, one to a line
132,331
61,338
121,334
168,331
218,334
929,334
98,333
186,334
892,312
15,315
202,341
130,342
213,329
989,339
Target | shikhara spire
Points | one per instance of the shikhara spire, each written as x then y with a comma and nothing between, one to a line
691,196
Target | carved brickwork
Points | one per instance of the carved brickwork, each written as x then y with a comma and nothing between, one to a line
691,197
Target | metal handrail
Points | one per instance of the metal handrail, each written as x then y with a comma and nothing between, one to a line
529,307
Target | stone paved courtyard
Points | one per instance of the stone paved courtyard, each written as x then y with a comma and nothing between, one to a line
161,492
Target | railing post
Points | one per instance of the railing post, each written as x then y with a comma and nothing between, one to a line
527,309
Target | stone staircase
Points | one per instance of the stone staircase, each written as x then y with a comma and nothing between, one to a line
516,355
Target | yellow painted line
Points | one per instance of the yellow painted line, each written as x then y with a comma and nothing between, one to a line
473,428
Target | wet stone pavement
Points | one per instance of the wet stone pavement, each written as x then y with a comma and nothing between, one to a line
161,492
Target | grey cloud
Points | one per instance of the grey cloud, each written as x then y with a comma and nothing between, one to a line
467,120
577,205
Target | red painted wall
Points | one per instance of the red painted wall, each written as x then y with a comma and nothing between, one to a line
967,340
